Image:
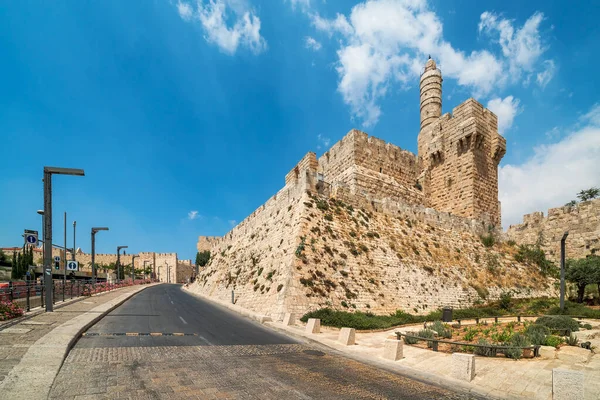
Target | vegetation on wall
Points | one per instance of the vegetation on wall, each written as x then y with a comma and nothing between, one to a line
202,258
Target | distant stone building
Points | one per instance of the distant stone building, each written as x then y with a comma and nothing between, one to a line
582,221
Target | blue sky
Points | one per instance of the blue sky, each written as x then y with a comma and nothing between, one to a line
186,115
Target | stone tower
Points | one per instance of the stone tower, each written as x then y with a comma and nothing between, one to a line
459,154
431,94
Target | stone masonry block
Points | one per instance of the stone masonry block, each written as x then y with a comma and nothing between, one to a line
347,336
572,354
567,385
463,366
313,325
289,319
548,352
392,349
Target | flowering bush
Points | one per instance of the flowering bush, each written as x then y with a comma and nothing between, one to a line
9,310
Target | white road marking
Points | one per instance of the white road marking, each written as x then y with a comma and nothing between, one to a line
172,302
182,320
206,340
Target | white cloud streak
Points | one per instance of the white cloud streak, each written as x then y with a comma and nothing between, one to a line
554,174
505,109
214,15
312,44
192,215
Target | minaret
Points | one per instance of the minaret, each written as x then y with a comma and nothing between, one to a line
431,94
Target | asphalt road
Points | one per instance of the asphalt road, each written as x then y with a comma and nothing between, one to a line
167,309
225,356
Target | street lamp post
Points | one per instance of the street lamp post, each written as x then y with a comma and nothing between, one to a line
94,231
41,212
65,261
119,262
168,273
145,261
74,224
562,270
48,172
133,268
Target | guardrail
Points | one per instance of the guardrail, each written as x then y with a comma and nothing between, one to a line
29,294
489,350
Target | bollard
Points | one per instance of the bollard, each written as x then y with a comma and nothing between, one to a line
42,295
346,336
313,325
463,366
392,349
232,297
567,384
289,319
496,319
519,318
477,321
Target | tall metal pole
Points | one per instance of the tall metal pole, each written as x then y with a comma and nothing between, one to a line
562,270
65,261
48,239
119,262
74,224
93,257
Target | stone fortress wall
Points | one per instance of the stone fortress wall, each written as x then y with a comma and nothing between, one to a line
582,221
166,266
369,226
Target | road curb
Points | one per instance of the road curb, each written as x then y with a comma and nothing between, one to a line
34,376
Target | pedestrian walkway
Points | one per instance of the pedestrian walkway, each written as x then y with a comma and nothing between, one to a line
19,341
495,377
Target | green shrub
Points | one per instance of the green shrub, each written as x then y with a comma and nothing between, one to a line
518,340
535,255
442,329
553,341
408,340
537,333
572,340
488,240
587,326
505,300
322,205
344,304
427,334
484,351
360,320
558,322
328,217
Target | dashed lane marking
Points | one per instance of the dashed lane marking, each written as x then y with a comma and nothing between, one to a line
96,334
182,320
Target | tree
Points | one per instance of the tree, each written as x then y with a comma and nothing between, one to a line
588,194
202,258
572,203
582,272
3,258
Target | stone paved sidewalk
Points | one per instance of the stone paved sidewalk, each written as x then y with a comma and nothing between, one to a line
495,377
16,340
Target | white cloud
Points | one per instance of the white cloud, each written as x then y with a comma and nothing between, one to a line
302,4
323,141
312,43
546,75
214,16
505,109
232,222
521,46
554,174
192,215
185,10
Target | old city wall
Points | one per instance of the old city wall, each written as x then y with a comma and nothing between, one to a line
582,221
254,259
460,155
380,258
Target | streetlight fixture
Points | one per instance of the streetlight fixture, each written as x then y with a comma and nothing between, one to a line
48,172
94,231
119,261
562,270
133,256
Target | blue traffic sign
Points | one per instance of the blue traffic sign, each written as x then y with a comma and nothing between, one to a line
31,239
72,265
57,258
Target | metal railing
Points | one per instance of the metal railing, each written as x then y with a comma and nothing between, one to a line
490,350
30,294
